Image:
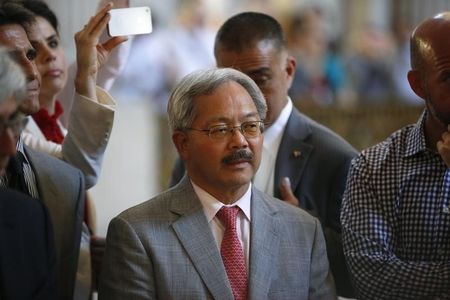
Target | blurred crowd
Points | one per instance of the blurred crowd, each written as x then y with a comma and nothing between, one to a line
333,68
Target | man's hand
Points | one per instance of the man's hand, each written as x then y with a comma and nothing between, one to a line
91,55
286,192
117,3
443,147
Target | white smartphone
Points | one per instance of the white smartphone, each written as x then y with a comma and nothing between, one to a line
130,21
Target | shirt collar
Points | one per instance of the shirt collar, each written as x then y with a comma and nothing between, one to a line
274,130
20,148
211,205
416,142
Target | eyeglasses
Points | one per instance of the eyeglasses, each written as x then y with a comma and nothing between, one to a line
16,124
219,132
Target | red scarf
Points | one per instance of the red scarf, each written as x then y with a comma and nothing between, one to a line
49,124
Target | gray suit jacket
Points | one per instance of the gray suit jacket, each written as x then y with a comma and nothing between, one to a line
61,188
164,249
316,160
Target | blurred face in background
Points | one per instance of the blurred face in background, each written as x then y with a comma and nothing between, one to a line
50,58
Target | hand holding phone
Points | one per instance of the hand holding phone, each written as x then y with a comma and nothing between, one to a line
130,21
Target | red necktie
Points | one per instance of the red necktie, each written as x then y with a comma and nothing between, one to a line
232,253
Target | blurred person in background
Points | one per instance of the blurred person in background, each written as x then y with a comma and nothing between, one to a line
369,63
320,76
168,54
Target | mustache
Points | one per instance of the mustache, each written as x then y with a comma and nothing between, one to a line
238,155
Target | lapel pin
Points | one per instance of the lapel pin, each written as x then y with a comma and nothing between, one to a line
296,153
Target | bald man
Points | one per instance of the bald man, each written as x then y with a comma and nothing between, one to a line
395,215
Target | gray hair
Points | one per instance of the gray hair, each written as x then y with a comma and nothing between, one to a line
12,79
181,109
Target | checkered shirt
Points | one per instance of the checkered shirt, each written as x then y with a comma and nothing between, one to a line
396,221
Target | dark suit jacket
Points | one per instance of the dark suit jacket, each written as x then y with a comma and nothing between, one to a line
61,188
164,249
316,160
27,253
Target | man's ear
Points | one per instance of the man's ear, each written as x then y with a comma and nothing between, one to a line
180,140
290,70
416,83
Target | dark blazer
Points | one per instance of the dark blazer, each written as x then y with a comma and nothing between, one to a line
27,252
316,160
61,188
164,249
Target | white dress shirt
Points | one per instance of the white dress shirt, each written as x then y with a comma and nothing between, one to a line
211,206
265,176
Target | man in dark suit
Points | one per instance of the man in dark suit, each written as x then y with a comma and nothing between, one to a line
181,244
58,185
27,253
304,163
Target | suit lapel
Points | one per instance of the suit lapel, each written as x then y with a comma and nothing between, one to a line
194,233
263,246
294,152
44,180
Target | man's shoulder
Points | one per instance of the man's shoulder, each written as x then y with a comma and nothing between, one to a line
42,160
284,211
392,149
158,208
323,137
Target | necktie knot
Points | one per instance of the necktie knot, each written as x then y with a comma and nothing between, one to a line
227,215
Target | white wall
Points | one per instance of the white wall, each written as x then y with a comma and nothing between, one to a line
130,170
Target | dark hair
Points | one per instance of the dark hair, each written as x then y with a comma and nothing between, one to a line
244,30
41,9
12,12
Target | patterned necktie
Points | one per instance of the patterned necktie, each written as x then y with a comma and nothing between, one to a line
232,253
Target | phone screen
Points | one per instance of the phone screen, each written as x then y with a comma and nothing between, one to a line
130,21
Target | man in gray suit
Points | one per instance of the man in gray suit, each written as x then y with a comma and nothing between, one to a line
58,185
175,246
303,162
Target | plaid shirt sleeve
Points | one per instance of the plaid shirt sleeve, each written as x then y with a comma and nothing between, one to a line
369,240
